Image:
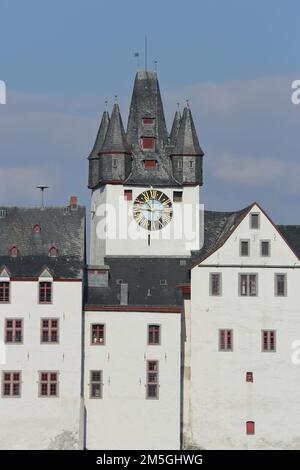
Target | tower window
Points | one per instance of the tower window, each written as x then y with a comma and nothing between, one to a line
147,121
191,164
254,220
150,164
96,384
249,376
153,334
36,229
127,194
179,164
148,143
115,163
177,196
98,334
250,427
4,292
53,252
225,340
152,380
14,252
268,340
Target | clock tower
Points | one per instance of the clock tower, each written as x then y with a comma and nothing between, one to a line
145,182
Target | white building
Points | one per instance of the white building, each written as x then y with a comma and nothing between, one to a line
244,388
41,267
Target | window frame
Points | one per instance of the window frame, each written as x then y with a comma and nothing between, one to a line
156,382
269,248
248,285
268,341
276,284
251,220
250,428
51,293
104,334
155,325
148,138
245,240
177,196
48,382
11,383
226,330
13,328
50,328
211,284
147,165
94,382
128,196
3,289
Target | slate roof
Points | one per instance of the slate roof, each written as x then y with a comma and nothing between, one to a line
62,227
100,136
175,128
187,142
292,235
115,139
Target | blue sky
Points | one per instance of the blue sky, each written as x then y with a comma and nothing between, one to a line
234,60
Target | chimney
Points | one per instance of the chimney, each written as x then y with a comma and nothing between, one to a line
124,294
73,202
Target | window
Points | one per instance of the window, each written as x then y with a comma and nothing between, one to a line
36,229
4,292
45,292
53,252
150,164
128,195
115,163
268,340
244,247
49,330
225,340
254,220
248,285
280,285
98,334
152,380
250,427
177,196
14,252
11,384
13,330
191,163
96,384
148,143
179,164
48,384
249,376
153,334
147,121
265,248
215,283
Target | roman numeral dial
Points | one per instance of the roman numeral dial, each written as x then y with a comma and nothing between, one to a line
152,209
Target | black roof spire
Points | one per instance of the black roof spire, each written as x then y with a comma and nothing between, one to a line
187,142
115,139
100,136
175,128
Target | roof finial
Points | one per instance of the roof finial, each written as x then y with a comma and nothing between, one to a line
178,106
155,65
146,53
42,187
187,103
137,55
116,99
105,105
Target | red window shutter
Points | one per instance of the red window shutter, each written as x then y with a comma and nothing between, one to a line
148,143
150,164
148,121
250,427
128,195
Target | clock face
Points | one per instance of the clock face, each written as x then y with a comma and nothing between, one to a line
152,210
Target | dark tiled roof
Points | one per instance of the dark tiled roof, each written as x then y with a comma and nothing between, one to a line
100,136
115,138
292,235
61,227
175,128
187,142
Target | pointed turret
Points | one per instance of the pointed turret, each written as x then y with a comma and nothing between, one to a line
115,154
175,128
94,155
187,154
115,138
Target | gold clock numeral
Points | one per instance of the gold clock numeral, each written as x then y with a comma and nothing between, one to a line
153,193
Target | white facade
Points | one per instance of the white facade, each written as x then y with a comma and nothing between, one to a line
124,418
115,232
221,400
31,421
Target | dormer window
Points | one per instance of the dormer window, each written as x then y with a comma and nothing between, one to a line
53,252
14,252
150,164
147,121
36,229
148,143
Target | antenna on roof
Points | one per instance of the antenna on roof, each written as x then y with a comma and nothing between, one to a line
146,54
137,55
42,187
